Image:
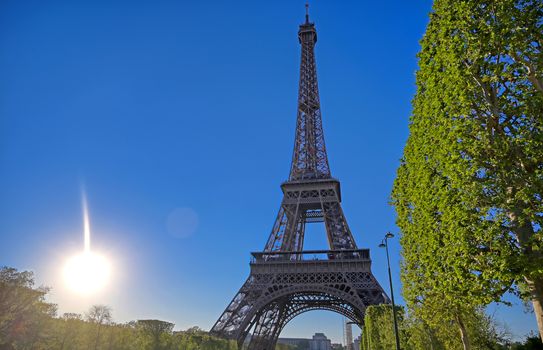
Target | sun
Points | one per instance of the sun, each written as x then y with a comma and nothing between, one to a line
87,273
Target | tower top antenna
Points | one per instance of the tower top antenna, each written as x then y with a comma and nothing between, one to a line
307,12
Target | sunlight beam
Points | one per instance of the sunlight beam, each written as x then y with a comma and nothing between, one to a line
87,272
86,223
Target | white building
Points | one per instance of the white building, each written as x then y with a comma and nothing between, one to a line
320,342
357,342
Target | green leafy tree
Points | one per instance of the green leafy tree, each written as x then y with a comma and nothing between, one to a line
416,334
27,322
421,337
469,190
99,316
155,333
23,311
378,329
69,327
121,337
531,343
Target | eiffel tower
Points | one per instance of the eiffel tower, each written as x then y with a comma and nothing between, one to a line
285,280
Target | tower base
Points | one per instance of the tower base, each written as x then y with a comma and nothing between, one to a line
282,285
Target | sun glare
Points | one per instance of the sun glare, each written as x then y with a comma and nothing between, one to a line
86,273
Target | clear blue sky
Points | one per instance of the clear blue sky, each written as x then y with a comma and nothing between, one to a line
158,105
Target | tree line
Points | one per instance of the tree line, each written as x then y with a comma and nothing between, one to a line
29,322
416,334
469,189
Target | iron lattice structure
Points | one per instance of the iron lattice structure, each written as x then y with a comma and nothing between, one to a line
285,280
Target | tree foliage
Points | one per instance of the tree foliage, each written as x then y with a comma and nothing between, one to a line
531,343
28,322
415,334
155,333
24,314
378,330
469,189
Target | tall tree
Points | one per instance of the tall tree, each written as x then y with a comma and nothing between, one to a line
154,332
23,310
99,315
378,328
71,323
469,189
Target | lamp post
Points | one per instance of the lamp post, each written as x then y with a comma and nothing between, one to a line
384,244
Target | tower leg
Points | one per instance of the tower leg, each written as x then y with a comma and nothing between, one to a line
268,327
339,234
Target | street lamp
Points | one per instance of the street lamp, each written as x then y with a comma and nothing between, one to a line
384,244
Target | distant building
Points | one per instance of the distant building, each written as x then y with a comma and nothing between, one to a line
320,342
357,342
